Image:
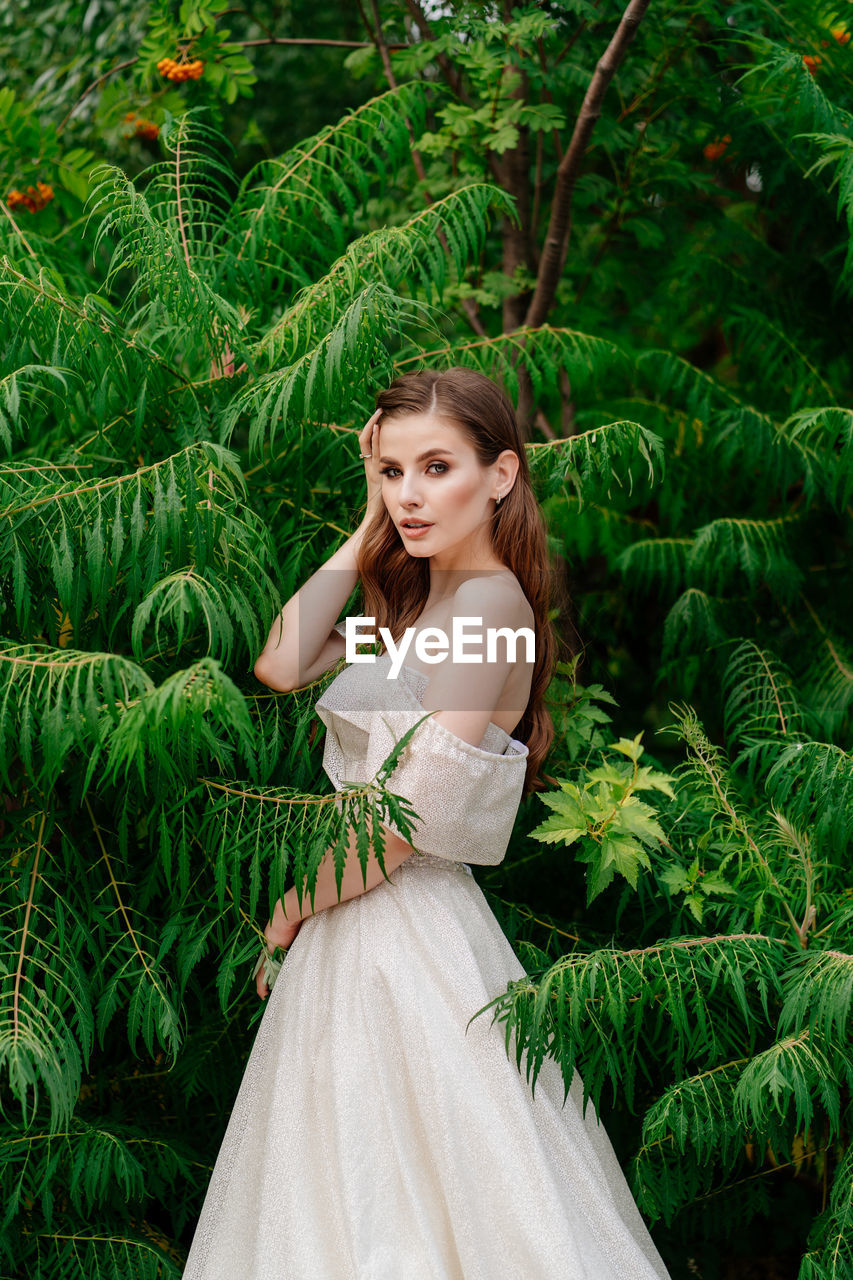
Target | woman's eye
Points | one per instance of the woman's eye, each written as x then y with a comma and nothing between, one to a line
386,471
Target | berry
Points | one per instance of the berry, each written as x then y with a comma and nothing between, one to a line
173,70
33,199
714,150
147,129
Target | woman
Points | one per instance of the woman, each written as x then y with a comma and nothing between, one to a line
376,1134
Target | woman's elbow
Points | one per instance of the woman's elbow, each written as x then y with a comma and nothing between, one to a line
266,672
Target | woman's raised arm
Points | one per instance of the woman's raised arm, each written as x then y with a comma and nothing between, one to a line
302,643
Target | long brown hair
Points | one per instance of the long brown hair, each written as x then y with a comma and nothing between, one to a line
396,585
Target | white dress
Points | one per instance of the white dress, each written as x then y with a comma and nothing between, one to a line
373,1136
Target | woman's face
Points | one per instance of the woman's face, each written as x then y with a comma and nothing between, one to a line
431,475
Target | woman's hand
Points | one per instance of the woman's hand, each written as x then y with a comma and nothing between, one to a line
368,443
282,929
280,932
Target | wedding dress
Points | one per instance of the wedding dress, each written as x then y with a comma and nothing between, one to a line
375,1135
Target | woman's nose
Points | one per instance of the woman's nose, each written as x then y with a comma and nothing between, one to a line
410,491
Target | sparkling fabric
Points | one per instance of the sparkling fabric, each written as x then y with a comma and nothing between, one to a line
450,783
378,1136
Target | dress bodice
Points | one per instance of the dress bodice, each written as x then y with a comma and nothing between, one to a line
467,797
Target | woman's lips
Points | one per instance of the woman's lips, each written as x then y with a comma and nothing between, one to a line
415,533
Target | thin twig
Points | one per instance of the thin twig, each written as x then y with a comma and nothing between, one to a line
131,931
333,44
559,227
468,305
20,965
18,232
120,66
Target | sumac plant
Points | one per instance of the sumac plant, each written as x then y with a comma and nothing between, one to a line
185,368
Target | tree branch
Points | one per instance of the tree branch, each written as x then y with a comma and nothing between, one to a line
517,233
559,227
331,44
243,44
468,305
446,66
453,78
120,66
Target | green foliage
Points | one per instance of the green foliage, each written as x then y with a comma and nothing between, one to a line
189,348
56,702
831,1254
138,583
690,997
612,825
726,1043
193,33
32,151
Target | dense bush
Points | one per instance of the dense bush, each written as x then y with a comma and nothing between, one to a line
186,364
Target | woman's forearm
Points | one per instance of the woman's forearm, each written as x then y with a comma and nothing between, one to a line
352,885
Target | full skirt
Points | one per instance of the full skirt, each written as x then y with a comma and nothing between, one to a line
374,1137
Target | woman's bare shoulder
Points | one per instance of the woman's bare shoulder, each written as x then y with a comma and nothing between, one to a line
498,596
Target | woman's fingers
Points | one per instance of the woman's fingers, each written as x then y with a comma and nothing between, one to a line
368,433
260,980
371,422
368,444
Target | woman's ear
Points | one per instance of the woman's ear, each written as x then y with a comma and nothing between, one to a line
506,470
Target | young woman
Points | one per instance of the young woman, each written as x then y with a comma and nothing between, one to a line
376,1134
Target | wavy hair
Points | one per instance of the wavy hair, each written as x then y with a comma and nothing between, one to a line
396,584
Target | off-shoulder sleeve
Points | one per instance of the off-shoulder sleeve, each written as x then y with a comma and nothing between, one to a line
467,797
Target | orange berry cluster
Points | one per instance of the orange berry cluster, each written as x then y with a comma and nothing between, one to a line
714,150
143,128
180,70
34,198
812,61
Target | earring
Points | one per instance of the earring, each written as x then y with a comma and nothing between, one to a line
498,501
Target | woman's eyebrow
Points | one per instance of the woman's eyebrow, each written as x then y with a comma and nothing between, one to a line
422,456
